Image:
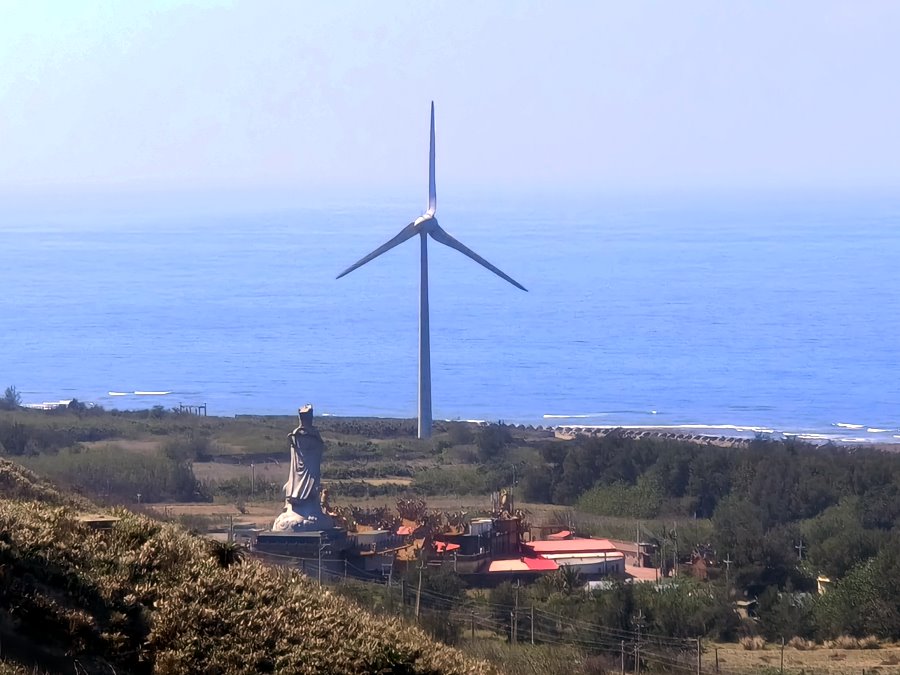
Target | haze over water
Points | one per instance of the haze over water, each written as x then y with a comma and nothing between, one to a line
776,311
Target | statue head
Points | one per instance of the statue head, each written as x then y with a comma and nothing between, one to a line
305,415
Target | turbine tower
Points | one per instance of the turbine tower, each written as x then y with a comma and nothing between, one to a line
427,225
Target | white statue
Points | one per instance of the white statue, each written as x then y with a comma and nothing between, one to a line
306,459
302,503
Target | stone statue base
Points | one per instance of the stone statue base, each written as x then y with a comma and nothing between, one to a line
302,516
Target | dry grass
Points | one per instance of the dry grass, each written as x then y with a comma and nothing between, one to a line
733,658
149,597
127,444
753,643
850,642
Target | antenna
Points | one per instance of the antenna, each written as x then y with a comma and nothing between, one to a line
426,226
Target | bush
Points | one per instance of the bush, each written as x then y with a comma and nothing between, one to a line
11,399
113,473
639,501
148,597
753,642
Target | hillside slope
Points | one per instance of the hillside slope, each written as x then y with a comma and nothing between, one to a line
147,597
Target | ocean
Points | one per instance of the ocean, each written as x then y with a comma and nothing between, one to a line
758,311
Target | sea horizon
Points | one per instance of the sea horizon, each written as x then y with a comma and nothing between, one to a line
739,312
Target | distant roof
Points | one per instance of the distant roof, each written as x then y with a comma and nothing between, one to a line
556,536
581,557
441,546
642,573
523,565
571,546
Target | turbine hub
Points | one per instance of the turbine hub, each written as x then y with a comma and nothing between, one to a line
426,223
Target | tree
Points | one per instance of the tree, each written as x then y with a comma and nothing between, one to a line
228,553
11,399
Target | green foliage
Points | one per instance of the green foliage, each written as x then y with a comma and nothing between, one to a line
783,613
491,440
459,433
642,500
459,480
11,399
110,471
228,553
837,539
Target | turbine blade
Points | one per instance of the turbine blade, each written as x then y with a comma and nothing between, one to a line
432,192
438,234
409,231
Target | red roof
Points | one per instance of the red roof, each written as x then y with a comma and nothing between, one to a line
522,565
556,536
540,564
441,546
404,530
571,546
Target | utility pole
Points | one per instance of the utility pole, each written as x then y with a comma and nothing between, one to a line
727,562
698,656
782,656
800,548
514,628
419,593
637,545
637,645
675,546
622,655
532,625
473,626
252,478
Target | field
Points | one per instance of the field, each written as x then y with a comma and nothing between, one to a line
734,659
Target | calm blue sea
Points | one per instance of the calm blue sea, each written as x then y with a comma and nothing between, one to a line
772,311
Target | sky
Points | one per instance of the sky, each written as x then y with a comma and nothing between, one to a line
575,96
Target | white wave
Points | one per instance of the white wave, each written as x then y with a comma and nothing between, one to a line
847,425
896,435
574,417
152,393
119,393
875,430
731,427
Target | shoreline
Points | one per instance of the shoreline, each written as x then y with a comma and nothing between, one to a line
839,433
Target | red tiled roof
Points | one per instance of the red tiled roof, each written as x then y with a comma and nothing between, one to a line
571,546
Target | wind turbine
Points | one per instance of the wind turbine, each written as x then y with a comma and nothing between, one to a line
427,225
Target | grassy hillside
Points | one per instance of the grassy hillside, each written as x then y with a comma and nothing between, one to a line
147,597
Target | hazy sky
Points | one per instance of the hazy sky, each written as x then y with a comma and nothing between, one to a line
573,95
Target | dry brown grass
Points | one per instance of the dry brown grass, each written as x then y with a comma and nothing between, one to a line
148,596
801,644
733,658
753,643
